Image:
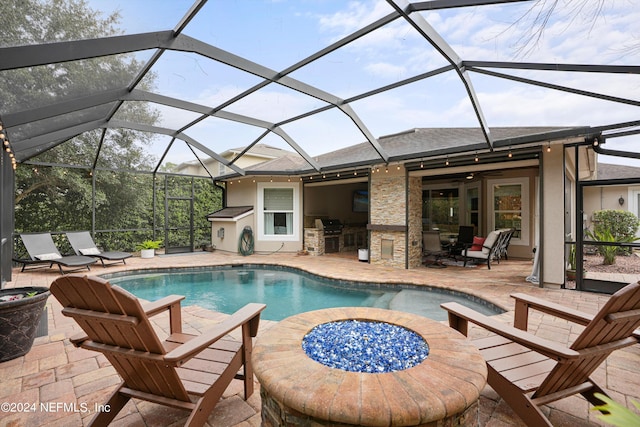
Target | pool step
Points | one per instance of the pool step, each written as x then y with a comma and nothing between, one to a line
418,302
383,300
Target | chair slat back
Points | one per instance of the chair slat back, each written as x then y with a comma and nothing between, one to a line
614,322
115,319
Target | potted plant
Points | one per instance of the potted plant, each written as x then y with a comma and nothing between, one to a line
20,313
148,248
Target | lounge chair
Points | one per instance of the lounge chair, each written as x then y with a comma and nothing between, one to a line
169,372
431,247
487,252
528,371
83,244
42,250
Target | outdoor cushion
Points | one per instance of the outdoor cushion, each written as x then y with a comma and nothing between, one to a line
489,241
90,251
47,257
477,243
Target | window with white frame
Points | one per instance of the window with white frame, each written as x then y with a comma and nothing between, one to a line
278,205
509,207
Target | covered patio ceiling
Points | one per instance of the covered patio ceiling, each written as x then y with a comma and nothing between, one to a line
319,80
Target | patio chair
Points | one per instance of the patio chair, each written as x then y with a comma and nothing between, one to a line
83,244
528,371
431,247
487,252
42,250
503,244
169,372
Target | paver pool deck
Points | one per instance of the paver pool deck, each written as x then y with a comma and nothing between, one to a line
68,379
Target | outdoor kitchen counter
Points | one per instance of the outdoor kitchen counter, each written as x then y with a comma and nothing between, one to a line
297,390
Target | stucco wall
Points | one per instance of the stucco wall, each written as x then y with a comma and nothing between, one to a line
244,192
232,231
553,216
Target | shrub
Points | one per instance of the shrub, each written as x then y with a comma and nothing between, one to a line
614,226
621,224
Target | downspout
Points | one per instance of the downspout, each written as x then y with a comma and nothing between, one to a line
224,193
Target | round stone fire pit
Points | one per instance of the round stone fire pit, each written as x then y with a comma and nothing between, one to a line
322,384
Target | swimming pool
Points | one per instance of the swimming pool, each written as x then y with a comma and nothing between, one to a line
286,291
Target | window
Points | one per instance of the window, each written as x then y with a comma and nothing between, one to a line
278,207
440,209
509,201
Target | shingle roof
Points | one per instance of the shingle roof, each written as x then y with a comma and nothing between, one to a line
230,212
610,171
414,143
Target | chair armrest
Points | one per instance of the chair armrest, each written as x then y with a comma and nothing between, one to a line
524,302
248,315
459,315
171,303
78,338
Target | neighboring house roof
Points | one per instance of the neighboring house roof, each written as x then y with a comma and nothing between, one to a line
266,152
259,150
291,162
610,171
230,212
413,144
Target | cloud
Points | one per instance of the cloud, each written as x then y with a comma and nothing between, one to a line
384,69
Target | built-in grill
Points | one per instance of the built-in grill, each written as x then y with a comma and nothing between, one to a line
332,229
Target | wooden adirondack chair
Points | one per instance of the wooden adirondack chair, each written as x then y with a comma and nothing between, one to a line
528,371
168,372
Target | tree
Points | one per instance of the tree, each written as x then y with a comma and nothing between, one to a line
56,198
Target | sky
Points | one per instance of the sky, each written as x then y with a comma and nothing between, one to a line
279,33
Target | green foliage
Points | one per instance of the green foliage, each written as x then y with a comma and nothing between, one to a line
613,226
118,205
149,244
572,257
616,414
608,252
621,224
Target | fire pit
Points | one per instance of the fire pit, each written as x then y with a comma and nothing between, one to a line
367,366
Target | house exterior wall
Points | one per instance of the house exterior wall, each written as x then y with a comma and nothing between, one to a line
553,215
244,192
600,198
388,207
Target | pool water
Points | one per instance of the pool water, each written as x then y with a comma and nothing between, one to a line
286,292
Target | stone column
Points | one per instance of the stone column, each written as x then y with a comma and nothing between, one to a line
388,204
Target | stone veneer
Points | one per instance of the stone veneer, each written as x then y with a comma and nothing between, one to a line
388,207
443,390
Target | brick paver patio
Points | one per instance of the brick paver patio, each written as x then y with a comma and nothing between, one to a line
70,382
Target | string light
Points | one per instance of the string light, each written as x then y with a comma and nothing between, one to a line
476,159
548,147
510,155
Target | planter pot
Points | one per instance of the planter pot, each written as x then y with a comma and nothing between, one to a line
19,320
147,253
